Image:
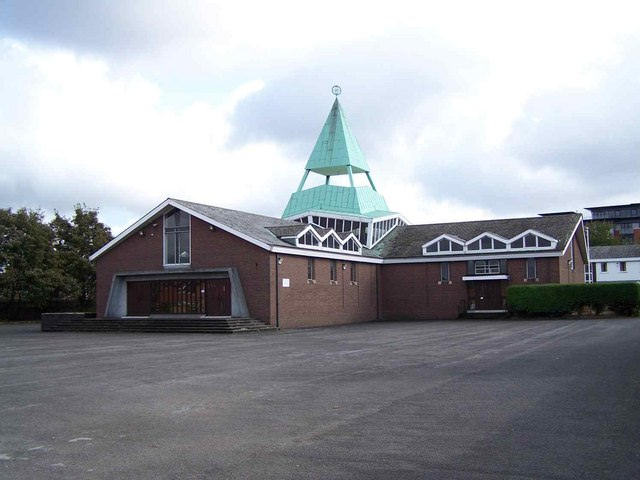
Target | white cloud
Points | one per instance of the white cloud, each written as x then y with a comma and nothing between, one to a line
89,136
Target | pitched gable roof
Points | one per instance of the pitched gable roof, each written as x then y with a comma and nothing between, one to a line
406,241
614,251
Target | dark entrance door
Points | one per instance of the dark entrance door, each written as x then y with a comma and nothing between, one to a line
138,298
178,297
218,297
489,295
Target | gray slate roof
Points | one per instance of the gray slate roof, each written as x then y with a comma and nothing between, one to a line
614,251
406,241
250,224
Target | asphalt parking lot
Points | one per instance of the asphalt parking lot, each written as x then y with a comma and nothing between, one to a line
462,399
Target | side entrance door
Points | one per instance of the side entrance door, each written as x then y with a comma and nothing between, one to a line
489,295
218,297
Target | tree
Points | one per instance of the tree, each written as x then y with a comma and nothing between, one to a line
600,233
27,267
73,241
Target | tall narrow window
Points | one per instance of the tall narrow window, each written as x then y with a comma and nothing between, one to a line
444,272
603,267
623,266
354,272
177,238
333,271
531,269
311,269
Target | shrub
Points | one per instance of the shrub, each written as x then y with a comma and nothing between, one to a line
561,299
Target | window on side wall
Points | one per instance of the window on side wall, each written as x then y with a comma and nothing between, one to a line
531,273
333,271
444,272
311,269
603,267
177,238
623,266
354,272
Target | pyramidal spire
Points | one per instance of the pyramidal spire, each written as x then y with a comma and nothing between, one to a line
336,148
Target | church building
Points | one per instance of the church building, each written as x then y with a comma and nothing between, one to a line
338,255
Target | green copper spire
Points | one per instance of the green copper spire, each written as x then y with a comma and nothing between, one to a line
336,148
337,152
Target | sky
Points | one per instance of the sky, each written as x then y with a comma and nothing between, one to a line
464,110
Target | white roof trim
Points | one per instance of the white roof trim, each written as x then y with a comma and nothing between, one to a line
614,259
570,241
533,232
462,258
332,254
489,234
453,238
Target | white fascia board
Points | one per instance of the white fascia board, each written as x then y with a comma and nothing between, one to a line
488,234
128,231
615,259
354,257
575,229
452,238
472,278
534,232
462,258
157,210
322,238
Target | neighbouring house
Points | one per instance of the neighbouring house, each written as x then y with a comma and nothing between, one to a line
615,263
338,255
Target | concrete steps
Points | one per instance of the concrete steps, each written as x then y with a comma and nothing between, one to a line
78,322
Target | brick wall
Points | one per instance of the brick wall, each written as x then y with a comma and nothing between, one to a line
575,275
209,249
547,271
305,304
413,291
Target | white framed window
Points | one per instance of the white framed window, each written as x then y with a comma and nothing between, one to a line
177,238
603,267
623,266
487,267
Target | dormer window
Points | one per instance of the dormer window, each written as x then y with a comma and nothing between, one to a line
443,244
177,238
309,239
487,243
532,240
330,242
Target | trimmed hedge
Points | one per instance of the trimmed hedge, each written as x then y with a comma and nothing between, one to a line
561,299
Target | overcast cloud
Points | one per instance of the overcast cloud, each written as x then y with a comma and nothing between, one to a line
465,111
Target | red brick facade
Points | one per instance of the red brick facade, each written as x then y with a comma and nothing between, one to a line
209,249
387,291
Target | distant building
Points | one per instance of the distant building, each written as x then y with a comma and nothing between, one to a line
615,263
625,219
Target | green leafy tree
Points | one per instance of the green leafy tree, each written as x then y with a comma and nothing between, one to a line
600,233
73,241
28,274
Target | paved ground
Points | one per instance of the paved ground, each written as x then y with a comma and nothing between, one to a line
460,399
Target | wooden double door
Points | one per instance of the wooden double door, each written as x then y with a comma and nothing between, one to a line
488,295
174,297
